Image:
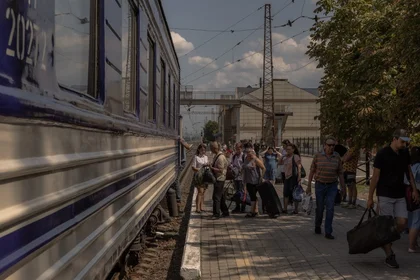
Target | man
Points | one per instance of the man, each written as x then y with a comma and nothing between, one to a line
350,162
326,167
219,168
237,161
176,185
390,165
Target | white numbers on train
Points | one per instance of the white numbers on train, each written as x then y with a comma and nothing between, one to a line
20,28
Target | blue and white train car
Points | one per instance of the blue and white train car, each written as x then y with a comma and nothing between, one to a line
89,105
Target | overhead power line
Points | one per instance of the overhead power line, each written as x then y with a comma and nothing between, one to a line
222,31
228,50
249,29
245,57
299,68
289,23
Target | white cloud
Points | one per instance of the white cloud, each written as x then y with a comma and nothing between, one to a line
202,61
289,61
182,46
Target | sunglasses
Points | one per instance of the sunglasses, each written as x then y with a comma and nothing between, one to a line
330,145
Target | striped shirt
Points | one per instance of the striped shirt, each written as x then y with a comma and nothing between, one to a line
325,168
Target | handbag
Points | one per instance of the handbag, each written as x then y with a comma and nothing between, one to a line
243,197
208,176
373,233
411,205
295,169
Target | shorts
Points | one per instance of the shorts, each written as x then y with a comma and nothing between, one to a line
252,190
349,178
396,207
414,219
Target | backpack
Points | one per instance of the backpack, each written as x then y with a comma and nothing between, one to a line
231,174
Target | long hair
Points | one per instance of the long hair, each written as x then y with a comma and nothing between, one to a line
199,148
295,149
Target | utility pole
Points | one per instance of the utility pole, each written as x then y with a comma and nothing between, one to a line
267,84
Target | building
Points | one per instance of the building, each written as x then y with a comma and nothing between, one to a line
299,104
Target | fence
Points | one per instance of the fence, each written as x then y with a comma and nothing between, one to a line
308,145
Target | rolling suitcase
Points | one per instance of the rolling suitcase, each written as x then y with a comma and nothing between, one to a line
270,199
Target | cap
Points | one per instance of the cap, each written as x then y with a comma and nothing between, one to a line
401,134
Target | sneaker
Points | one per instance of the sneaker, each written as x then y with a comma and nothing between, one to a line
214,217
351,206
318,230
413,250
391,261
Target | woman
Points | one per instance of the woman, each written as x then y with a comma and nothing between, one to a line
283,154
200,160
251,172
414,217
292,175
270,163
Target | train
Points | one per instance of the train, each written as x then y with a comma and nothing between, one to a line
89,129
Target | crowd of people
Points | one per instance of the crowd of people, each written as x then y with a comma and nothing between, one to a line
395,169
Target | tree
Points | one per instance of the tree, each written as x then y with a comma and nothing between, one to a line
209,129
369,52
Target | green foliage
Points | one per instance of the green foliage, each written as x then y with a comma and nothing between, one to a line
369,50
415,139
209,129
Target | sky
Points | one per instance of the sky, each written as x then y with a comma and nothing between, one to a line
219,15
289,58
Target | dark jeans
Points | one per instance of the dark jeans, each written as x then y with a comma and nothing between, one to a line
177,185
219,202
325,197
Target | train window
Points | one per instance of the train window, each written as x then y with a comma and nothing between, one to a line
174,104
152,74
129,56
75,45
169,102
163,91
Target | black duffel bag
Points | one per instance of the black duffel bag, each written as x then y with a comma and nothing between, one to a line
373,233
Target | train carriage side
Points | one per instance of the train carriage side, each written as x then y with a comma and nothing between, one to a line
89,105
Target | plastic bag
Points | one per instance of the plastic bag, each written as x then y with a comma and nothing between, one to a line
307,203
298,193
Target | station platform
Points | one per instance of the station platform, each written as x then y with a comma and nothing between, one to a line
236,247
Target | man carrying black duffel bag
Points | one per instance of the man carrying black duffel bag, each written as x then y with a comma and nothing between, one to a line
391,163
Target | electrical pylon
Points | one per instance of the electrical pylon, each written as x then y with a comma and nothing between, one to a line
268,133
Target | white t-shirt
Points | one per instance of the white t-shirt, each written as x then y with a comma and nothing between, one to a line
199,161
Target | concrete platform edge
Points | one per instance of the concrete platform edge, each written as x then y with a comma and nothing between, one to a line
191,259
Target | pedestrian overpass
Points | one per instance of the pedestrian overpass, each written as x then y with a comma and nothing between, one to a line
230,109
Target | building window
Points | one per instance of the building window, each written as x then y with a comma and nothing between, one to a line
129,56
152,74
75,50
163,91
169,102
